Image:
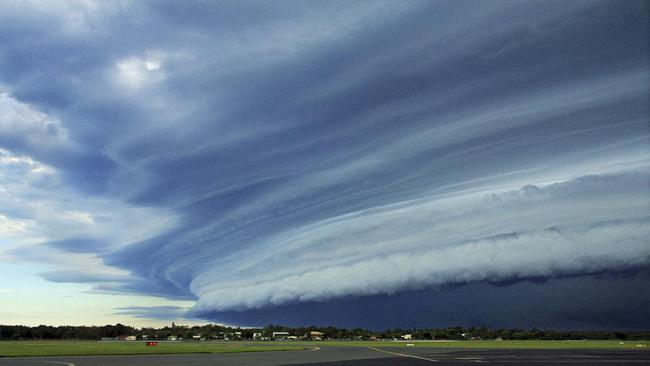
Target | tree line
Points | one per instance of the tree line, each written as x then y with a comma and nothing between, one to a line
214,331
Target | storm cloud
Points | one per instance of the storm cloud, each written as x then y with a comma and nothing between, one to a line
261,158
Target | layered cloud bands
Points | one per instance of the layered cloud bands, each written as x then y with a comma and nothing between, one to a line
255,157
586,225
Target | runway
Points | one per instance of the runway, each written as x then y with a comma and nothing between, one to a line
356,356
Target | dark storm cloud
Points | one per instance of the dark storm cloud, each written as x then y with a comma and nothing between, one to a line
302,153
580,302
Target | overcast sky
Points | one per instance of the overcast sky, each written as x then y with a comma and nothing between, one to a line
355,163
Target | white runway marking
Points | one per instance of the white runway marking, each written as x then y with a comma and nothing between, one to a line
473,359
59,363
404,355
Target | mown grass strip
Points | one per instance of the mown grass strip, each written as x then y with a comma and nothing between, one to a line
74,348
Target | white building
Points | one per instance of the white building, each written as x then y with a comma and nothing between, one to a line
280,335
315,335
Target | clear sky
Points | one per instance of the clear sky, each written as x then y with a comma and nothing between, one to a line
367,163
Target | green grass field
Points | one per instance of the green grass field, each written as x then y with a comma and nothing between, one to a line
70,348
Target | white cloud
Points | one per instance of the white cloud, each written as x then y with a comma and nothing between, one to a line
70,18
37,207
22,122
152,65
136,72
12,228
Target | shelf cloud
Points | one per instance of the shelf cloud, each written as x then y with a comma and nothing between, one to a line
257,158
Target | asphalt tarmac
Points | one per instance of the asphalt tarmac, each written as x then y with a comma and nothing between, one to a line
357,356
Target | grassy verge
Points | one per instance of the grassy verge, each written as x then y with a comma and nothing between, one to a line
74,348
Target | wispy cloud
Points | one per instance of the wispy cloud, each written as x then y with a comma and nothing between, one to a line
155,312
